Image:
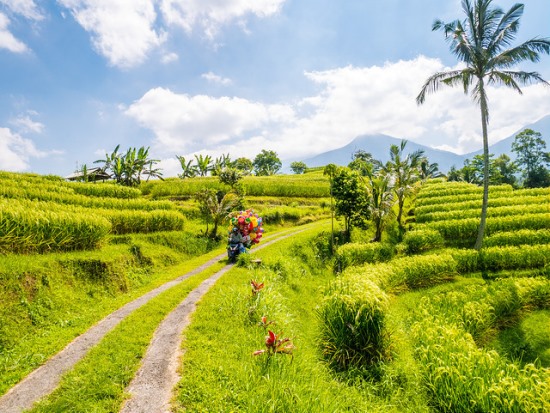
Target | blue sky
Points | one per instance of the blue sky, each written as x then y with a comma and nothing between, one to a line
188,77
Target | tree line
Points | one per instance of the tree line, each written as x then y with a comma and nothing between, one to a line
529,170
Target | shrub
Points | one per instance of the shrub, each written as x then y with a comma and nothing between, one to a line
352,324
422,240
360,253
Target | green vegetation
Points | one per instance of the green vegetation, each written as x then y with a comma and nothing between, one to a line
327,321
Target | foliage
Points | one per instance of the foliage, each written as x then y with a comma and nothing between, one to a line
188,169
405,172
266,163
214,208
298,167
350,198
530,150
380,202
127,169
244,165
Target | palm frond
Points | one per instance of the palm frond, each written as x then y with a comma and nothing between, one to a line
435,81
506,29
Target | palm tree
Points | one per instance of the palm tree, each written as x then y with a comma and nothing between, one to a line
381,201
405,172
483,43
188,169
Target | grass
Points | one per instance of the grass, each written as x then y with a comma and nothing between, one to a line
221,374
45,303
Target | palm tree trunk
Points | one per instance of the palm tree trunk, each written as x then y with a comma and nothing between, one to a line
484,122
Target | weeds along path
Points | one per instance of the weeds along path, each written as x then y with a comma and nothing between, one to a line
46,378
151,389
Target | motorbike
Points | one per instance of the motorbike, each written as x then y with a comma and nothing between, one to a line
233,251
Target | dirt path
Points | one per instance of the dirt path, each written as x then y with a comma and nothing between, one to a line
151,389
45,379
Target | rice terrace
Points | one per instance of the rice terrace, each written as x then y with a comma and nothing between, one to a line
374,285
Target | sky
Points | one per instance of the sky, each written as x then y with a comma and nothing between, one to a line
213,77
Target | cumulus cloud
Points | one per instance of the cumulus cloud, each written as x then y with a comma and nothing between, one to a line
169,58
210,15
190,123
16,151
123,31
24,8
213,78
350,101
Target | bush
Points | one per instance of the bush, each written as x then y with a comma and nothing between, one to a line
352,324
422,240
360,253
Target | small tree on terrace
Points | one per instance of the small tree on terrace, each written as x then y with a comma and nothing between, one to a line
267,163
298,167
380,202
351,199
244,165
482,42
204,164
188,169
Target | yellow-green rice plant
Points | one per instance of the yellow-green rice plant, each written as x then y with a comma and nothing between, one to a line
128,221
460,377
463,231
422,240
534,208
519,237
105,189
514,257
24,230
356,253
458,188
494,202
467,260
422,270
443,197
352,332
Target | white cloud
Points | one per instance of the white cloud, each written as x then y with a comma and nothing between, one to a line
183,123
212,77
169,58
123,31
8,40
25,124
25,8
351,101
210,15
16,151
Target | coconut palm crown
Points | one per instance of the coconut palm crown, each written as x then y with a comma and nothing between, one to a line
483,42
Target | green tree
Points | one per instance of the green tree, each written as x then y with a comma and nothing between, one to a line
529,148
220,163
506,170
266,163
188,169
244,165
350,199
405,172
298,167
482,41
362,162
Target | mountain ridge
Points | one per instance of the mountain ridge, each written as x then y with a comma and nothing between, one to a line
378,145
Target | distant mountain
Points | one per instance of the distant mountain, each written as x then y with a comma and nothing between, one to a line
378,146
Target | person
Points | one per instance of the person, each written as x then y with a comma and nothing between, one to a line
235,237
